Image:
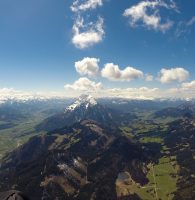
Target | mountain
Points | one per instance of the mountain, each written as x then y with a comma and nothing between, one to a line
139,158
129,105
18,110
82,162
183,110
18,120
10,113
86,107
180,141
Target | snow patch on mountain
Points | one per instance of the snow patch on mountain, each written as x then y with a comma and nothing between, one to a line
83,100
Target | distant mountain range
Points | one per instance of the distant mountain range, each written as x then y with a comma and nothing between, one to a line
183,110
17,110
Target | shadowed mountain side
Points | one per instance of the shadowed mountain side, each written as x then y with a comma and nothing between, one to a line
181,142
80,162
183,110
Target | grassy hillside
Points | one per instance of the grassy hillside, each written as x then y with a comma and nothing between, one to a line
12,137
163,174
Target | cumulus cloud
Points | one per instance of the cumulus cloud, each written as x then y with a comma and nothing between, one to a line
173,74
86,5
185,90
86,35
12,94
149,77
84,84
133,93
189,85
113,73
147,13
87,66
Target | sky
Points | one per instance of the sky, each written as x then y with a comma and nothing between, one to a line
110,48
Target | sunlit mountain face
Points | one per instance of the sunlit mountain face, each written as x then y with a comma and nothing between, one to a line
97,99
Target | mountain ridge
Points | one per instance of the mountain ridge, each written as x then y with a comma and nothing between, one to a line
79,163
86,107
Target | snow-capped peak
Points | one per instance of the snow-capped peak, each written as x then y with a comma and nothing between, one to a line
86,100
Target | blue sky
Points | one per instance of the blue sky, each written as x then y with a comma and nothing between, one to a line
38,51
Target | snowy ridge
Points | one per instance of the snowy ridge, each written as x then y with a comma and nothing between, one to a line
86,100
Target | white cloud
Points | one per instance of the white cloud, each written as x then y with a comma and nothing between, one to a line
18,95
133,93
86,35
87,66
185,90
84,84
191,21
184,27
86,5
12,94
149,77
113,73
173,74
189,85
147,13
